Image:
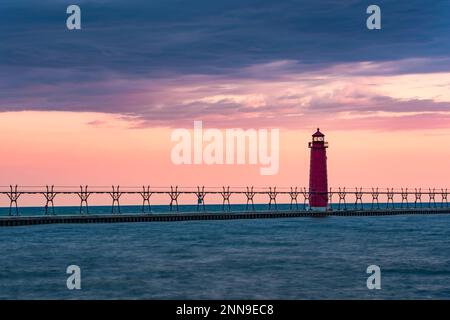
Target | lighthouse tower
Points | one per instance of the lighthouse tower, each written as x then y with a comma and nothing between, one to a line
318,180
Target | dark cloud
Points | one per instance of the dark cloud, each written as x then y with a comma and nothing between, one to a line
125,46
202,36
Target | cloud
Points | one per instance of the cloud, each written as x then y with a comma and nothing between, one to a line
140,37
246,62
96,123
286,99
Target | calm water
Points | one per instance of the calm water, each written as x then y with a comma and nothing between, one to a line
301,258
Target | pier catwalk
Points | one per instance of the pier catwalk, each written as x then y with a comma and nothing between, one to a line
186,216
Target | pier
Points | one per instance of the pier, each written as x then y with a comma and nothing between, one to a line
195,216
348,202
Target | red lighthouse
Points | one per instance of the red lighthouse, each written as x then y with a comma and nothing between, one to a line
318,180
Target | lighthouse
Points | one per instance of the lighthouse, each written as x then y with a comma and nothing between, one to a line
318,180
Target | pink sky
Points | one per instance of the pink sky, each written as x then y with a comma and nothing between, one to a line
63,149
383,130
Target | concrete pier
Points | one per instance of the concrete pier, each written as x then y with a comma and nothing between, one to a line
9,221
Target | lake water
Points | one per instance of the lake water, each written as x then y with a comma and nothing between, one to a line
298,258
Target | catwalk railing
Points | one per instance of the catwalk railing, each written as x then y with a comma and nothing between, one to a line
297,198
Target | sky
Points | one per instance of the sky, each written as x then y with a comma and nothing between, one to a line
98,105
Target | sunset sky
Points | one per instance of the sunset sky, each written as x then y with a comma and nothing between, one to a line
97,106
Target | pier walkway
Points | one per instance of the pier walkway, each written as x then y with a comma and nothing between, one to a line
171,217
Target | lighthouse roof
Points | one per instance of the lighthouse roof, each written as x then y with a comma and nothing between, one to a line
318,133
